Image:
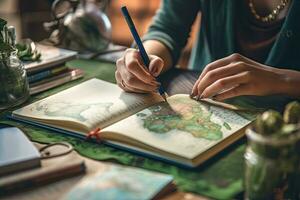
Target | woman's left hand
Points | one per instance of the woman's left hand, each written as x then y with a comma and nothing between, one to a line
236,75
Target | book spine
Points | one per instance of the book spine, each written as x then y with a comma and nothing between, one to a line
56,81
42,177
45,74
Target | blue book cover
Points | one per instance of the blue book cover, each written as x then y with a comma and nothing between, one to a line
16,151
124,183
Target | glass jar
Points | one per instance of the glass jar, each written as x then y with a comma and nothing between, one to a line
14,88
272,166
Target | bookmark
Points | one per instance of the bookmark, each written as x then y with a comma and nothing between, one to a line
94,133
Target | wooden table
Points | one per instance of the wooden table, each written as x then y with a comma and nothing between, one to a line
58,189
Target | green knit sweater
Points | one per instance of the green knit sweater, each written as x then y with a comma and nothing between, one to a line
216,37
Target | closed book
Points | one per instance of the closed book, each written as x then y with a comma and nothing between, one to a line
126,183
46,73
51,170
16,151
50,56
60,79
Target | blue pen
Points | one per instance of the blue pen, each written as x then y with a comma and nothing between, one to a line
140,45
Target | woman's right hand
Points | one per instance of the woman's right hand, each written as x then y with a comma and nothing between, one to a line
133,76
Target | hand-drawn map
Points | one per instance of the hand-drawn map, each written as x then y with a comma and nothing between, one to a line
187,115
73,110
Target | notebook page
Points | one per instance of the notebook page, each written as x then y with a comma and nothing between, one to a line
94,103
181,126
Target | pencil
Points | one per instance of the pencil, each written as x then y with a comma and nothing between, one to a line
140,45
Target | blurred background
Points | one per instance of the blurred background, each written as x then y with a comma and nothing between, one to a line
28,18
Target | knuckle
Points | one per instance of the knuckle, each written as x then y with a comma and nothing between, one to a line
221,83
131,53
239,64
248,74
211,74
129,50
130,80
132,64
208,67
236,57
119,62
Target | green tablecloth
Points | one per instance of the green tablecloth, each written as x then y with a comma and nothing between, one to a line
220,178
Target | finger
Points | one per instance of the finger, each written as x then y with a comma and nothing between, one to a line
134,65
221,62
133,82
120,65
122,70
234,92
216,64
222,72
134,90
225,84
128,88
125,87
156,65
119,81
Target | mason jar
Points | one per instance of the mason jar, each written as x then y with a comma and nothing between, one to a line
272,166
14,88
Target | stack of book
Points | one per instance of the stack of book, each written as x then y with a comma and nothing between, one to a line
51,70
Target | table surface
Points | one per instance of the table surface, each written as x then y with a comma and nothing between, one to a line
58,189
213,172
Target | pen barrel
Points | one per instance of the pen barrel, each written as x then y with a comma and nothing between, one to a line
139,43
136,36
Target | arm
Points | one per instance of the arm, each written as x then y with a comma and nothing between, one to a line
236,75
172,25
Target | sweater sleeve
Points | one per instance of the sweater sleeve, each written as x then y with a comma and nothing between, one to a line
172,24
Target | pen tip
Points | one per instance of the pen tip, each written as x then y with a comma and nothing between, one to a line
164,96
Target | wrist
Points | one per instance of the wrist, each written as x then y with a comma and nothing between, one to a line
289,83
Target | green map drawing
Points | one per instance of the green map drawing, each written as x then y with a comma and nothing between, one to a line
70,109
182,114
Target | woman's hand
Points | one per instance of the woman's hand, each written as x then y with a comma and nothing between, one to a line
133,76
236,75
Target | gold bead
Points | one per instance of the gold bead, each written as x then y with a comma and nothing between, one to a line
274,13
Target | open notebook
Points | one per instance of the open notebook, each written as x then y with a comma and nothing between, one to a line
181,130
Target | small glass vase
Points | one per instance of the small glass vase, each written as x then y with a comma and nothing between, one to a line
272,166
14,88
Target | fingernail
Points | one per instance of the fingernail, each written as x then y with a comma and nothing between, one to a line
155,83
156,74
152,70
156,89
193,93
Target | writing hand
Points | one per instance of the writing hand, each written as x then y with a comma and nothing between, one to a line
133,76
